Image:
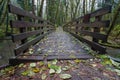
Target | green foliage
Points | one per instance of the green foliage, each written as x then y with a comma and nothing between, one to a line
25,4
1,33
116,30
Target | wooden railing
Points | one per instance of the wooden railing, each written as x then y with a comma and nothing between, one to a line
90,25
28,29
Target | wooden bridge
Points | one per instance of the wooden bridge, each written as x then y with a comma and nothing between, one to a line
57,43
37,39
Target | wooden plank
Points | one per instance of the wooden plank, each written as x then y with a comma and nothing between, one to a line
101,11
30,58
75,75
94,35
17,37
4,66
21,12
16,61
23,47
23,24
69,57
95,24
94,45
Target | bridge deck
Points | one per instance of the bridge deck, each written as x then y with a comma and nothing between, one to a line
58,45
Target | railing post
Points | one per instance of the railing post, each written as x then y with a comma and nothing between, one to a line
96,29
77,22
42,28
20,18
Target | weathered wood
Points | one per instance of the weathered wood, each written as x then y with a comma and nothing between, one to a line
97,29
32,58
68,57
21,12
23,47
17,37
96,46
95,24
21,30
86,18
101,11
22,24
16,61
94,35
4,66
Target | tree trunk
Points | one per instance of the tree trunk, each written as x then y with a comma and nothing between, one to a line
92,6
33,7
114,20
41,9
83,7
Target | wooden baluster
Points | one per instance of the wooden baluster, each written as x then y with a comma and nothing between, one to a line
20,18
77,22
96,29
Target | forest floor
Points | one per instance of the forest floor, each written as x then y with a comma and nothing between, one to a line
61,43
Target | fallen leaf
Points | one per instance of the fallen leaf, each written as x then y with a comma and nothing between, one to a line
51,71
72,56
21,65
36,70
32,64
51,66
39,50
65,68
30,52
43,76
65,76
118,71
96,78
25,73
77,61
59,70
41,63
31,73
54,61
94,65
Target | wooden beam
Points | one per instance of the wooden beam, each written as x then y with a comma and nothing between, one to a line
95,24
101,11
96,46
17,37
21,12
26,45
94,35
23,24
